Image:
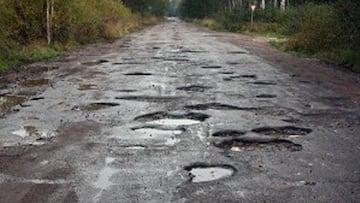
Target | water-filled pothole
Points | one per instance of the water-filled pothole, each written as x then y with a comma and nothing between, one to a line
98,106
282,131
248,76
194,88
138,74
7,102
211,67
228,133
172,119
266,96
145,98
33,83
218,106
157,130
204,173
192,51
252,144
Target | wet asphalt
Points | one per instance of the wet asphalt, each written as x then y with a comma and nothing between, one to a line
171,114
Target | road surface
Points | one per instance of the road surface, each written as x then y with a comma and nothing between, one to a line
173,113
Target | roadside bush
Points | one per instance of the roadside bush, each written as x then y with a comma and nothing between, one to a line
319,29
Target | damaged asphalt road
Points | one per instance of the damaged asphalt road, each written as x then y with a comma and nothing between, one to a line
171,114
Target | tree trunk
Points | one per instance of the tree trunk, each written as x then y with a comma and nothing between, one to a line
48,26
282,4
275,3
262,4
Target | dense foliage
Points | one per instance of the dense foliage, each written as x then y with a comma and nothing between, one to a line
24,30
326,28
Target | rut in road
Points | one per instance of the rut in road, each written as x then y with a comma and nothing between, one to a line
172,114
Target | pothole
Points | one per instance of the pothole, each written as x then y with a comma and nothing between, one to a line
37,98
172,119
211,67
237,52
228,133
218,106
33,83
126,90
193,51
138,74
232,63
154,99
266,96
227,72
98,106
30,130
248,76
194,88
84,87
205,173
128,63
7,102
263,83
251,144
283,131
135,147
176,59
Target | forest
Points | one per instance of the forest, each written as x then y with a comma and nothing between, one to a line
40,29
326,29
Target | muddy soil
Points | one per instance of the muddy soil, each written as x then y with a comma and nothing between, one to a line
178,113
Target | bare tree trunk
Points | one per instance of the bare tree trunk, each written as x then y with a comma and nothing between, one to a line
275,3
282,4
48,26
49,19
262,4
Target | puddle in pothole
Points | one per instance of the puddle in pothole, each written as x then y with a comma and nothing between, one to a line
135,147
228,133
83,87
172,119
194,88
158,131
204,173
144,98
283,131
29,130
233,63
211,67
138,74
33,83
7,102
258,144
97,106
266,96
174,122
218,106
